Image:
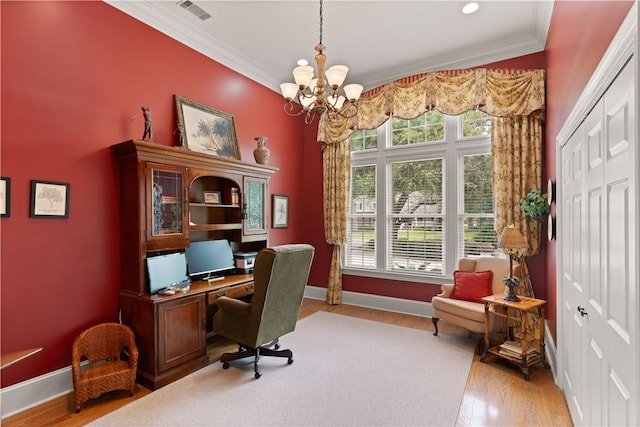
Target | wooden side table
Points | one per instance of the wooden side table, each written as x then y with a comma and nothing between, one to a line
525,358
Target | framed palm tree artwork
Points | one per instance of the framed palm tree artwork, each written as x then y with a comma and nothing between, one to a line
205,129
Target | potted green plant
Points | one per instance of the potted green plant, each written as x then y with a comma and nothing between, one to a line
535,205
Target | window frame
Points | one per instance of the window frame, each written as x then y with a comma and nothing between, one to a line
452,150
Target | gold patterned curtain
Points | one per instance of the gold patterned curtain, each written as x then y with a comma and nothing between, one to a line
336,171
497,92
516,151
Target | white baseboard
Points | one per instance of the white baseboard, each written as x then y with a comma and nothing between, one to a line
35,391
396,305
550,353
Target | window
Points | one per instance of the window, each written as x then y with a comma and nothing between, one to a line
421,196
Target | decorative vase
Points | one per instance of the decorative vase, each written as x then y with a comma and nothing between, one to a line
261,153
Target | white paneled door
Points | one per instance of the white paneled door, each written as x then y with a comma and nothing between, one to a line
598,269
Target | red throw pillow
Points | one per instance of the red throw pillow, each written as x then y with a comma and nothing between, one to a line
472,285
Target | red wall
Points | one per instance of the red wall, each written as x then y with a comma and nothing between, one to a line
74,76
579,35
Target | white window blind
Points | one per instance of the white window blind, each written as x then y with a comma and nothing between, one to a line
361,244
415,221
477,235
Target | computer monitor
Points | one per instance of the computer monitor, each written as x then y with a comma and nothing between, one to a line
166,271
209,258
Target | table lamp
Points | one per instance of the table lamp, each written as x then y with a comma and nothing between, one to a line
510,240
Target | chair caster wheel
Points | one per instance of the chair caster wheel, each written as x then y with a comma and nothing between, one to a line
225,365
258,375
289,361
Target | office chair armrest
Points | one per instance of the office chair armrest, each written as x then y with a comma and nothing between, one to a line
446,290
234,305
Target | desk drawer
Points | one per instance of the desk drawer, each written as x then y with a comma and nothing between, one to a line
231,292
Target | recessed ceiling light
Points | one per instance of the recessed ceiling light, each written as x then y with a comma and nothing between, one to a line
302,62
470,8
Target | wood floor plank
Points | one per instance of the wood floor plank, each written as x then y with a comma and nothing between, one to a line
495,394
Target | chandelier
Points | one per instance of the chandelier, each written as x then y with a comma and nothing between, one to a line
318,96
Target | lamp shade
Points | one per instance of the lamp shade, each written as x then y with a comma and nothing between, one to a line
353,91
289,90
307,102
336,75
336,102
511,238
303,75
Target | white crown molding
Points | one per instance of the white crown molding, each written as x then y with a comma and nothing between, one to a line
181,28
533,43
462,60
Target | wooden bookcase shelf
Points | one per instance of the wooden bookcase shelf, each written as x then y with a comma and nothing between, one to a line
165,206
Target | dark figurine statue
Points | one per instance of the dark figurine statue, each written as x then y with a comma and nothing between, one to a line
180,130
148,133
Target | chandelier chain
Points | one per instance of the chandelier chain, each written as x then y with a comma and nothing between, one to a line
320,21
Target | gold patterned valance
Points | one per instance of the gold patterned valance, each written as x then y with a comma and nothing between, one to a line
499,93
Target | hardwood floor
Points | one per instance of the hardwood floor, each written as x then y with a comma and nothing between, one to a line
495,395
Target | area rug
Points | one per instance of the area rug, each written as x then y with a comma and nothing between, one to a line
346,372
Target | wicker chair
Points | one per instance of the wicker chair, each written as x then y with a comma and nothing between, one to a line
103,346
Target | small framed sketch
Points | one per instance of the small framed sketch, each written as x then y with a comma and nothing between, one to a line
280,211
49,199
5,196
212,197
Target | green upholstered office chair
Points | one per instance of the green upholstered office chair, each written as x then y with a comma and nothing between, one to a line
280,275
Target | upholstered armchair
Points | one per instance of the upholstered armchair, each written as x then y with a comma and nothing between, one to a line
112,356
280,276
471,280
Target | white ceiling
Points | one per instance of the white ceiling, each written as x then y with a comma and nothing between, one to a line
378,40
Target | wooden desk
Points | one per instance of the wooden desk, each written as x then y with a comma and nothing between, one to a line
501,309
233,285
11,358
171,330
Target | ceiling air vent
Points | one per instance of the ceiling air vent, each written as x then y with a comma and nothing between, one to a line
194,9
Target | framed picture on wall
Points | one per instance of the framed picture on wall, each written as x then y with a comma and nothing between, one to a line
280,211
49,199
5,196
205,129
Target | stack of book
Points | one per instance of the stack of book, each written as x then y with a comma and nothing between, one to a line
514,349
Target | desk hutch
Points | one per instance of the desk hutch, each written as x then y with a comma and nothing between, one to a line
169,197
